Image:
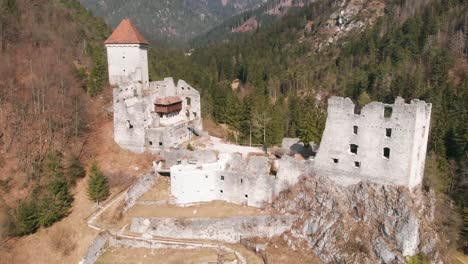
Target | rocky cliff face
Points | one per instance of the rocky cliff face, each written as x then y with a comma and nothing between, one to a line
363,223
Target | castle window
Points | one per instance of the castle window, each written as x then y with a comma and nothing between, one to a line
242,180
388,111
206,176
160,143
353,148
222,178
335,161
189,100
386,153
221,191
194,114
246,196
130,126
123,57
357,164
182,88
355,130
388,132
151,143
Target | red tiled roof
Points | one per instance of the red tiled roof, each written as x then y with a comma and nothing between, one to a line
168,100
126,33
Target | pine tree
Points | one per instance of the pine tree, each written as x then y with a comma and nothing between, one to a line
26,220
98,186
75,169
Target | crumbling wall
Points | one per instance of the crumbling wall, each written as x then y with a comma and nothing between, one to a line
138,128
227,229
96,249
372,146
233,179
142,186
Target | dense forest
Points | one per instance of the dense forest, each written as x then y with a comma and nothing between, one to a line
419,53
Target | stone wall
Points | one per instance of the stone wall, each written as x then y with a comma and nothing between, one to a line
235,180
373,147
142,186
230,230
127,63
96,249
138,128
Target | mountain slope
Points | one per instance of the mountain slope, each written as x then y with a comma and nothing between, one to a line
249,21
169,22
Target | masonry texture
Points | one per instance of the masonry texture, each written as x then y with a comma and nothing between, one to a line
147,115
230,230
384,143
234,179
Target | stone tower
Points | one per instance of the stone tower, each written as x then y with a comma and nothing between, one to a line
383,143
127,55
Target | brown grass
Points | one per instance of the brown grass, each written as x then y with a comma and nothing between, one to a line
60,240
163,256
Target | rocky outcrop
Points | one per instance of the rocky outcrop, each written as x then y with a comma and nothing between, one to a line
362,223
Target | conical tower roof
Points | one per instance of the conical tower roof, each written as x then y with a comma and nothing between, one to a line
126,33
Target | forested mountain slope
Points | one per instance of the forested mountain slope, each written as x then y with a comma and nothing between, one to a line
249,21
52,61
169,22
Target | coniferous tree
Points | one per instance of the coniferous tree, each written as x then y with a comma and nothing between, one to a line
75,169
98,186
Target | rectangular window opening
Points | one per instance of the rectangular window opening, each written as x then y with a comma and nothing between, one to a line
246,196
388,132
357,164
160,143
386,153
335,161
353,148
355,130
151,143
242,180
388,111
222,178
221,191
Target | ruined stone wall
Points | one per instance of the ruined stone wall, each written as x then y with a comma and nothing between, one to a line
371,146
138,128
235,180
227,229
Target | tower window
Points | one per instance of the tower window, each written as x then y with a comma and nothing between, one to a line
160,143
151,143
353,148
335,161
386,153
221,191
189,101
222,178
388,132
355,130
388,111
242,180
357,164
246,196
130,126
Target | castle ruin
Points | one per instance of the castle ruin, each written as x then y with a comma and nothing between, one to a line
382,143
148,116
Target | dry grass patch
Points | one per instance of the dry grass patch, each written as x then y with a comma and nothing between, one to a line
61,242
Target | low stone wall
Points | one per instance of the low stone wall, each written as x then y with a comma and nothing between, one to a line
96,249
230,230
142,186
